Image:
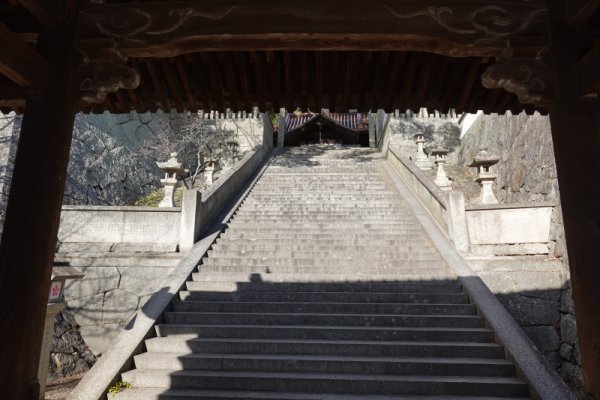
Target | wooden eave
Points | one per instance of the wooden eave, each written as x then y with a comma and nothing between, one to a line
340,55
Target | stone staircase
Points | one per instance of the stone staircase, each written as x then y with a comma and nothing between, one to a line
323,286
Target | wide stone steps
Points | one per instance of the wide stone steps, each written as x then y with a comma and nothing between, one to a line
218,281
324,297
242,247
322,319
320,332
325,364
323,286
342,238
442,286
161,394
325,308
319,255
322,262
363,348
327,383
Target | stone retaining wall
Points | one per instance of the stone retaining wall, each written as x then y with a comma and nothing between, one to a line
535,289
527,173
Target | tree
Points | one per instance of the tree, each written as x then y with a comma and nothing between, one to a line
192,140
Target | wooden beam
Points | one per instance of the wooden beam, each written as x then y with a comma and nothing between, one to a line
304,80
319,71
30,230
241,62
468,81
20,62
188,88
464,28
226,62
412,60
158,88
575,124
582,10
288,81
45,11
10,92
589,71
199,75
257,62
172,86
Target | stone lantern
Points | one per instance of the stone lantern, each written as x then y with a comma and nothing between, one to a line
171,169
421,159
483,161
209,170
441,179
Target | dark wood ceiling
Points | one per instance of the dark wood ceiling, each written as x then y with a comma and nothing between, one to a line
193,55
311,80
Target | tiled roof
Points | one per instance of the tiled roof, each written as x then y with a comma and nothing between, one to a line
355,121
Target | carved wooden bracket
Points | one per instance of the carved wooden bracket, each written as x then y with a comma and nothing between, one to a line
96,78
530,79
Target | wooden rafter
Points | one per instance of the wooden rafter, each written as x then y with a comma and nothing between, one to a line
582,10
20,62
45,11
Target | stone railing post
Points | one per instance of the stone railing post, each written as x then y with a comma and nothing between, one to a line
457,221
190,210
281,128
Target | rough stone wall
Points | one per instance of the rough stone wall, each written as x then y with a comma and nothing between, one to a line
536,291
103,168
10,125
70,354
527,173
436,129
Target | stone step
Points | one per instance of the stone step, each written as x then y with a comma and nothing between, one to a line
318,263
325,308
321,219
231,281
443,286
425,334
186,394
323,319
340,239
311,225
157,262
432,366
320,255
336,297
246,247
326,347
229,249
327,383
322,187
325,229
358,214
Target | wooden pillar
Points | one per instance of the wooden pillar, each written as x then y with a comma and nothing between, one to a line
33,212
576,134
